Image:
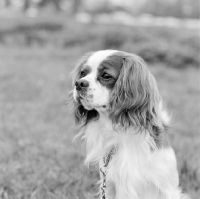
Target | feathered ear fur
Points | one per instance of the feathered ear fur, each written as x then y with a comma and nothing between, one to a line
135,98
81,114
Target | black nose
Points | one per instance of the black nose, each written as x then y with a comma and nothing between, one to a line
81,84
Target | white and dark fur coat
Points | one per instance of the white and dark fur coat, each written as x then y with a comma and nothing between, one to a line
117,102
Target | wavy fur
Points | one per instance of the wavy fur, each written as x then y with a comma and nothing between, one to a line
135,99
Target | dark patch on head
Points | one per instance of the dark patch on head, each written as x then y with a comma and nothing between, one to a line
109,70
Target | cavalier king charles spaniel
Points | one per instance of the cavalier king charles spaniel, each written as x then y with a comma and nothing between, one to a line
124,127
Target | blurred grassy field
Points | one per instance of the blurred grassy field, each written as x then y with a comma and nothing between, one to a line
37,157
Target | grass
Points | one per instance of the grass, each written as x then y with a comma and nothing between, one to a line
37,157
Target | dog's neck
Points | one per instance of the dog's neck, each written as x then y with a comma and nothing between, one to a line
100,137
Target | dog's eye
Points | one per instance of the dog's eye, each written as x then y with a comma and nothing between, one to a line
83,74
106,76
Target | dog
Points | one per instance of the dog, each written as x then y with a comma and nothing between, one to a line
124,126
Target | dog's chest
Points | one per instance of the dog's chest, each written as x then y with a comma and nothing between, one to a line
127,167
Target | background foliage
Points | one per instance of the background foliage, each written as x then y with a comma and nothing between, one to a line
37,157
173,8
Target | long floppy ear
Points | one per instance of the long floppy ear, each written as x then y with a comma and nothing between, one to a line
80,113
135,98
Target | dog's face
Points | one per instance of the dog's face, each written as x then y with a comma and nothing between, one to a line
118,83
96,78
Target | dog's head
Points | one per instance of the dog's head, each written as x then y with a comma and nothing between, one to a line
119,84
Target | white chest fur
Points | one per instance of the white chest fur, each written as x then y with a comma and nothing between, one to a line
138,169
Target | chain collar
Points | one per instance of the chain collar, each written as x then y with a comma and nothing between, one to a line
103,170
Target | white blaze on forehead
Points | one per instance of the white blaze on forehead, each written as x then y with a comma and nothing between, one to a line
95,59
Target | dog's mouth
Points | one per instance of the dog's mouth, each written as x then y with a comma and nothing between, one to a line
89,105
87,101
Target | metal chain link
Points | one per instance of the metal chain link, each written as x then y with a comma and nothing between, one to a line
103,170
